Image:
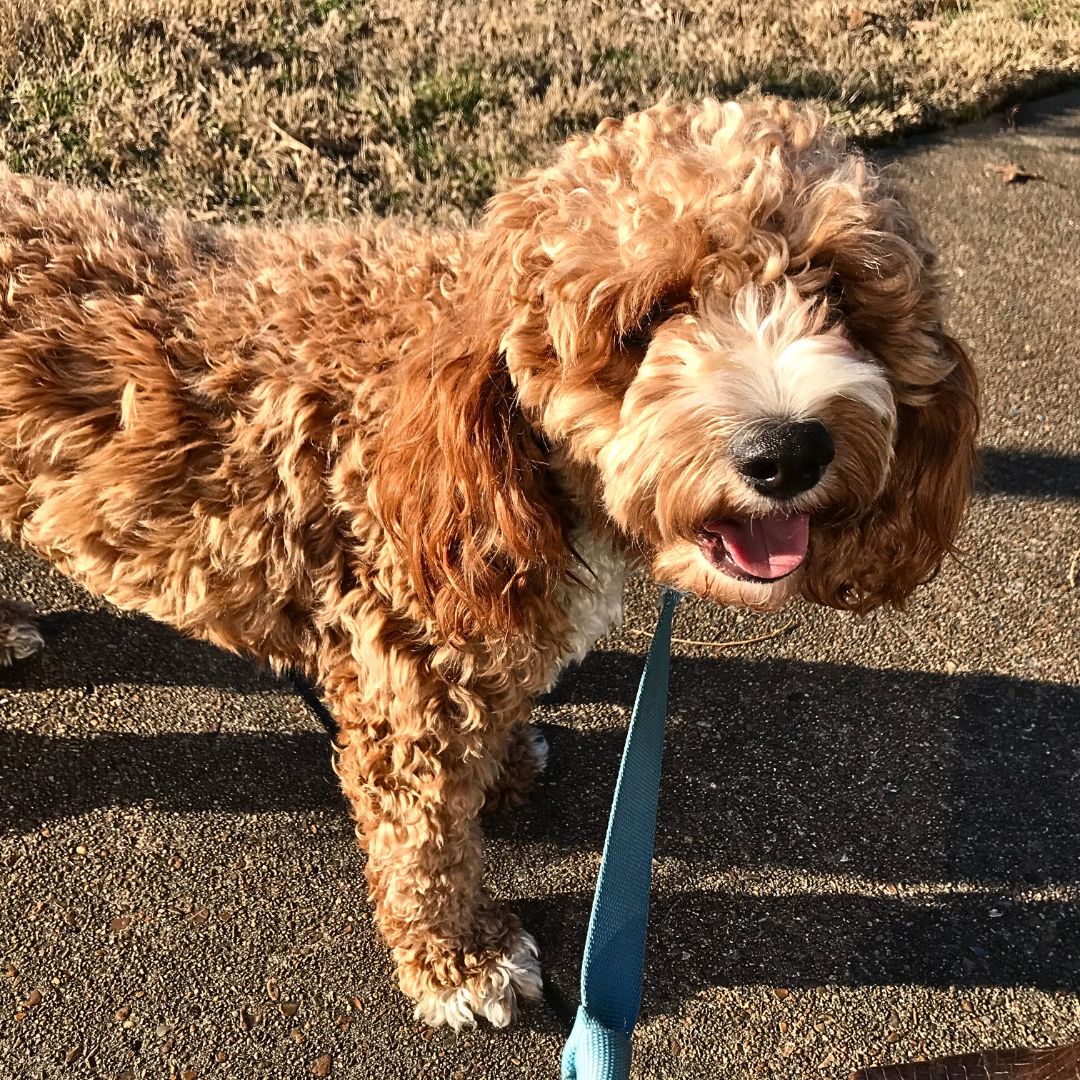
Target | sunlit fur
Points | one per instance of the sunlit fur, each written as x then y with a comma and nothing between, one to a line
418,465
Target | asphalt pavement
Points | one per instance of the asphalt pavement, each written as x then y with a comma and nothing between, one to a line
868,841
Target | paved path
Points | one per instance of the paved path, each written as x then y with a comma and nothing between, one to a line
869,838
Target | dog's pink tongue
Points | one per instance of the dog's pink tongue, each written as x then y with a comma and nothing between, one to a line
767,547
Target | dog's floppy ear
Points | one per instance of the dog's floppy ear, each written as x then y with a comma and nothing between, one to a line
460,483
901,540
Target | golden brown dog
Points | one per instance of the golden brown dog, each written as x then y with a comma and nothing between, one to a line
707,341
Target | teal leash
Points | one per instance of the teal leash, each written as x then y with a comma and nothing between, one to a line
614,962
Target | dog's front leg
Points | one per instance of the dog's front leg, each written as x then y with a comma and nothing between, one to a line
416,758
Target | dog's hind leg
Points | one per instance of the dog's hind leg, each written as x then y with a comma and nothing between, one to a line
524,759
20,636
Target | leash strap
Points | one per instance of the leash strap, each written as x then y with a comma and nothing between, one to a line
614,960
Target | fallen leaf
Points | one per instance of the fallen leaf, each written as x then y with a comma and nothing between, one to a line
288,1009
33,1000
120,924
247,1021
321,1066
781,994
273,991
1011,173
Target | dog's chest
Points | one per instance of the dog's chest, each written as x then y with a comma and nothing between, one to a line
594,605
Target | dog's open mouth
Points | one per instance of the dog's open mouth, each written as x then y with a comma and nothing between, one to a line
756,548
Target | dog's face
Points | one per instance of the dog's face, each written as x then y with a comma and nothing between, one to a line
749,415
726,332
735,328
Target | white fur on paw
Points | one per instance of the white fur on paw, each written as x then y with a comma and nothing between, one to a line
539,745
493,996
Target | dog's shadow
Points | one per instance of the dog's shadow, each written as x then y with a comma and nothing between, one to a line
830,804
861,826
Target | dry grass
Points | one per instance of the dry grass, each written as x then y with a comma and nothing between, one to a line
246,108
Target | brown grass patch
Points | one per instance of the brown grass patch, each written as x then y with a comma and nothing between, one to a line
250,108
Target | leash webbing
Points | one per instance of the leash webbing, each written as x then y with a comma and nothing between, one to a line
614,960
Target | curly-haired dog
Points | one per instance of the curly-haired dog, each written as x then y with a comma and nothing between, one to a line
417,466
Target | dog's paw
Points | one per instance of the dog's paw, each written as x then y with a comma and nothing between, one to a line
537,743
20,637
489,990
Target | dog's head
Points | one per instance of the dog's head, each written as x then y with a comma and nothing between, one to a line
731,326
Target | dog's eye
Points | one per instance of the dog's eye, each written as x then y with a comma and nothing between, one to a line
834,300
638,337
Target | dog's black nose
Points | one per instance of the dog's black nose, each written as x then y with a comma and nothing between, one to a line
782,458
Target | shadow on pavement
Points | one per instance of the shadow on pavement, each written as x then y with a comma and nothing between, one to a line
895,775
1026,472
699,940
105,647
863,776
